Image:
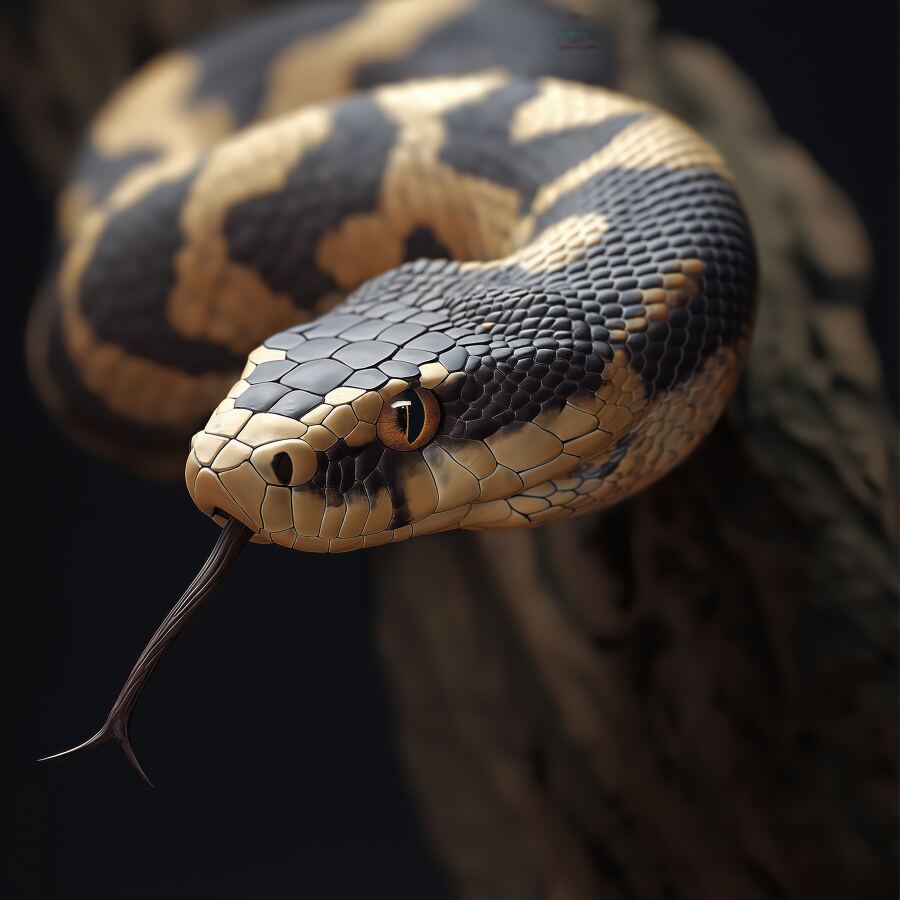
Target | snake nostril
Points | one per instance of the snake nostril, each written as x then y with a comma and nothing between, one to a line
283,467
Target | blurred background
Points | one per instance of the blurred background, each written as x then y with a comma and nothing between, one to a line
268,728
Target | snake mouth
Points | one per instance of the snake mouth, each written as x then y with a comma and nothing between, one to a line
235,535
222,518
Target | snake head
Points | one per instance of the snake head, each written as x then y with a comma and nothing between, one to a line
359,448
351,468
462,406
378,458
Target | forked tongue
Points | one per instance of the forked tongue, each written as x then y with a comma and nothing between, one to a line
230,543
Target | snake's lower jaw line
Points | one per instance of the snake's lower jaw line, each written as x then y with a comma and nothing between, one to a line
213,500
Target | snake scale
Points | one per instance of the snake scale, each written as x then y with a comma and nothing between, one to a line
478,287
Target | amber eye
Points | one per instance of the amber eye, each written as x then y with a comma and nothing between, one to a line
409,421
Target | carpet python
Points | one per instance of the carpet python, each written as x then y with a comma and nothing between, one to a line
425,267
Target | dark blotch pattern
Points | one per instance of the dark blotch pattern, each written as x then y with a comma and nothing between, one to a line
524,38
526,165
277,234
130,275
551,333
102,173
236,62
94,420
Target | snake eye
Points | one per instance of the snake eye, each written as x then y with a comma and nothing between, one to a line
409,421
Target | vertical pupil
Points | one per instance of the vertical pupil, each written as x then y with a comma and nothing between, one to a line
416,418
403,411
410,417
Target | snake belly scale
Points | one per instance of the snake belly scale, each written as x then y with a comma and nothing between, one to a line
478,288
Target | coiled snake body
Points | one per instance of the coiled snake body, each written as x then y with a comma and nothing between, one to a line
483,290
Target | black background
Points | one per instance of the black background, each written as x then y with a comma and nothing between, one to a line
267,728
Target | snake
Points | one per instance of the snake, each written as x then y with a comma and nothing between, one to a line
399,268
